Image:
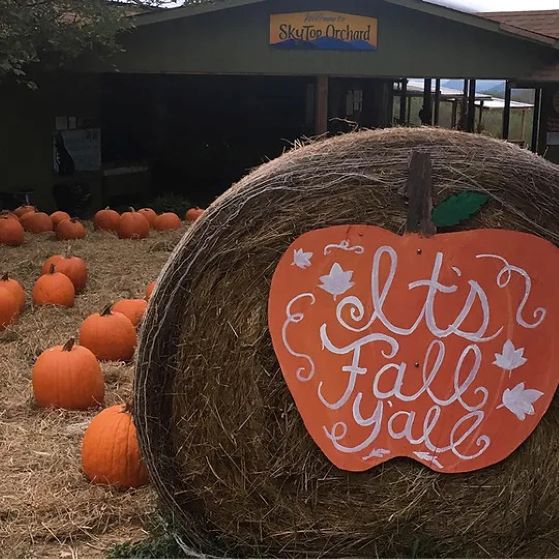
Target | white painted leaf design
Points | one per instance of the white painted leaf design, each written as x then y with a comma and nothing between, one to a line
337,281
427,457
520,400
302,259
510,358
376,453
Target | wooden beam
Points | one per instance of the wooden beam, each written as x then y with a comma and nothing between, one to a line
427,109
437,102
536,121
321,106
471,123
403,96
506,111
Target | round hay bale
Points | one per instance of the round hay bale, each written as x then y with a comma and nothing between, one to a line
224,443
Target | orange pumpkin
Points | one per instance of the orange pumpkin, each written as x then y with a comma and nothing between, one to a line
11,231
69,230
106,220
149,214
8,214
74,268
110,451
54,259
167,222
59,216
149,289
68,377
193,214
22,210
54,288
133,225
109,335
36,222
15,288
9,308
133,309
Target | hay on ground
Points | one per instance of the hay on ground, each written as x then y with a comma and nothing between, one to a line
226,447
47,507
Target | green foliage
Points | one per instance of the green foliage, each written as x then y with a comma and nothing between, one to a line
54,32
458,208
160,543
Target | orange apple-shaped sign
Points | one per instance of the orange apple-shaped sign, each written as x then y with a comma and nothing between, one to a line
441,349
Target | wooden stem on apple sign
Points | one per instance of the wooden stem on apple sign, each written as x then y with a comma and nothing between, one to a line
419,190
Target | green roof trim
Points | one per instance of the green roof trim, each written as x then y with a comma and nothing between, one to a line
473,20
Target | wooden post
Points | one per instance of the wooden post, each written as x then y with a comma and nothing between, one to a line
536,120
427,109
480,119
462,120
454,117
403,95
437,102
472,107
321,106
419,188
523,127
506,111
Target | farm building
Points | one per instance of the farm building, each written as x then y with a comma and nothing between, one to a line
201,94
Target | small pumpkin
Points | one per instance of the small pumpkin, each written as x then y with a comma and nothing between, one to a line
9,308
22,210
110,450
106,220
193,214
59,216
11,232
168,221
133,225
73,267
54,288
54,259
109,335
149,290
68,377
9,214
36,222
133,309
70,230
15,288
149,214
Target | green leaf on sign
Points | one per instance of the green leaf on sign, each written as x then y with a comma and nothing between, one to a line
458,208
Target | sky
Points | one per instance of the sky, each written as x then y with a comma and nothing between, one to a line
499,5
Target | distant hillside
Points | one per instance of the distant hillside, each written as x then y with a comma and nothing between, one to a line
495,88
482,85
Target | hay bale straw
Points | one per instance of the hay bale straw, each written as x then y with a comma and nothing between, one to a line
225,445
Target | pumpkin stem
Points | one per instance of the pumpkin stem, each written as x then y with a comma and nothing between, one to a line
107,310
5,277
130,208
52,269
128,406
69,344
68,251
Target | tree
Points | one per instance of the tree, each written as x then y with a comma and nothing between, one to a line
53,32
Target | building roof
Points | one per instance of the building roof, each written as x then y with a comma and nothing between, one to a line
479,21
541,22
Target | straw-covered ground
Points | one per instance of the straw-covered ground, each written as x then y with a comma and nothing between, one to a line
47,507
